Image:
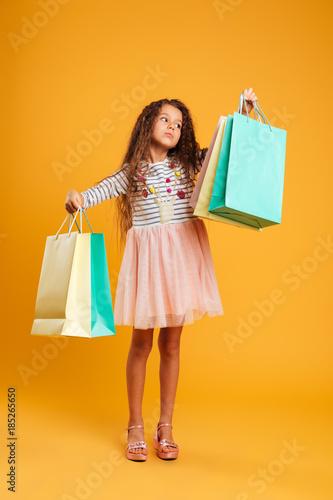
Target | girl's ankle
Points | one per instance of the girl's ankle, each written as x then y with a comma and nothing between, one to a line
136,422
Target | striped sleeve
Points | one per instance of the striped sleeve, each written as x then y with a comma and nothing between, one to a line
110,187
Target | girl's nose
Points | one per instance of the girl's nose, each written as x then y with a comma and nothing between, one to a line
171,126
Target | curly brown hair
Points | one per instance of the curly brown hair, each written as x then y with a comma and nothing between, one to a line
185,153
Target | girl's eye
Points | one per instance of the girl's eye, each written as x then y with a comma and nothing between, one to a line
164,118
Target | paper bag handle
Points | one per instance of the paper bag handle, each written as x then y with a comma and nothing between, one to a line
70,226
257,110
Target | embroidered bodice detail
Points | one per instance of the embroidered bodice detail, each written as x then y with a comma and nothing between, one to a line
162,191
164,202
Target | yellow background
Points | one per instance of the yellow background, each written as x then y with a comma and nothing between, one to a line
237,407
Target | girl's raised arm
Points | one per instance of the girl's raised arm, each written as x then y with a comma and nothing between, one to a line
201,154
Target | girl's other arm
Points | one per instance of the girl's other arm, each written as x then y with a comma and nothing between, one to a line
110,187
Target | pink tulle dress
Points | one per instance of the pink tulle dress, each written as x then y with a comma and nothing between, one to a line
167,276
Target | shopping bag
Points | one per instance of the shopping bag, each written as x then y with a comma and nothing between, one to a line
197,188
74,298
248,185
202,205
200,199
208,174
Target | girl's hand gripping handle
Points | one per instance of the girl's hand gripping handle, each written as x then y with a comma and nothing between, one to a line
74,200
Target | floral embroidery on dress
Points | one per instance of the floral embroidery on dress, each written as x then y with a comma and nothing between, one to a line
181,194
166,204
145,192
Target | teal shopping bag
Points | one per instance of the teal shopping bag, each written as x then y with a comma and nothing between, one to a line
74,298
102,320
248,185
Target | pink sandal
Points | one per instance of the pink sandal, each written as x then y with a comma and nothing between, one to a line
137,457
160,444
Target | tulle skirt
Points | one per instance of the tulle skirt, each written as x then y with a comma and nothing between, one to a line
167,277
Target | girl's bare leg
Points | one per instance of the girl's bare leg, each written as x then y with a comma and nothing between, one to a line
141,344
169,347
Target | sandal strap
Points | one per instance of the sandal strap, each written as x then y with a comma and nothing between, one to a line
133,427
163,425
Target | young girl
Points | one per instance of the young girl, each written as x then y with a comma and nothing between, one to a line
167,277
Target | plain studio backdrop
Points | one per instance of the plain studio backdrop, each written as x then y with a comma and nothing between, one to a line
253,408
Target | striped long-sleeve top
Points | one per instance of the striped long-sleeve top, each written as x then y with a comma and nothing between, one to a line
162,192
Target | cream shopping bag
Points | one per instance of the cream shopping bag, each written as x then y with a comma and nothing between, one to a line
196,191
74,297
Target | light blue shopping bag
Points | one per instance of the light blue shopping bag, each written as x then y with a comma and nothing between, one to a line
248,185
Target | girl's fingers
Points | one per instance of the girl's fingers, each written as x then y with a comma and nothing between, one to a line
248,92
70,207
250,99
73,203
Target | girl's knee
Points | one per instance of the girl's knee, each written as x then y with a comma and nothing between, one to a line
169,341
142,346
169,347
143,349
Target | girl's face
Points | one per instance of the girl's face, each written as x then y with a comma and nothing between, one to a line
167,129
